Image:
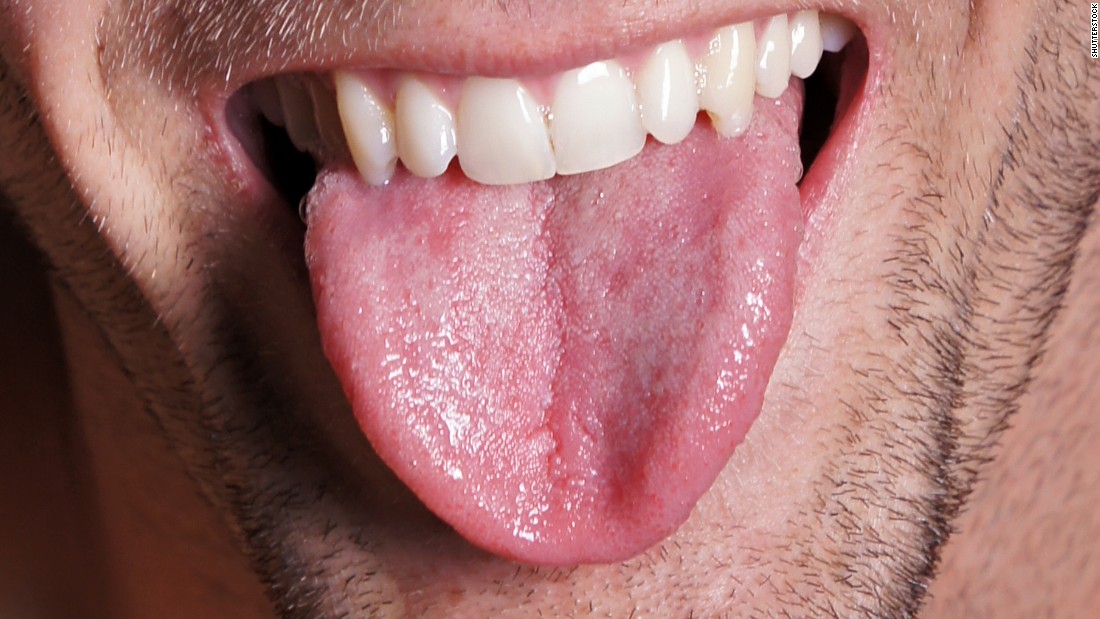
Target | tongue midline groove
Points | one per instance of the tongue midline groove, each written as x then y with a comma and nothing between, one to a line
515,131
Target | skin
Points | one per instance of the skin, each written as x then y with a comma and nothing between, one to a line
180,447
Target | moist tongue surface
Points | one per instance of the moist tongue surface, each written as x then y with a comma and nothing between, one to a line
560,370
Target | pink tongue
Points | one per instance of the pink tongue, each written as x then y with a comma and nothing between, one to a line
560,370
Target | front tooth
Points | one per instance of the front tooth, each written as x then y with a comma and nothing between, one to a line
595,122
729,77
666,91
835,32
425,129
298,112
773,64
368,127
805,43
502,137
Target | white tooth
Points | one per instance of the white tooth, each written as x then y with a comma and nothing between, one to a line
729,78
666,91
594,122
425,129
368,128
835,32
502,138
298,111
773,60
805,43
267,99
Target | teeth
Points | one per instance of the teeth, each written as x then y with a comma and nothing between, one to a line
729,76
805,43
595,122
502,137
266,93
325,114
836,32
298,109
591,118
773,64
368,127
425,130
666,91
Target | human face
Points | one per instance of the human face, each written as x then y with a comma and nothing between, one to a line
900,320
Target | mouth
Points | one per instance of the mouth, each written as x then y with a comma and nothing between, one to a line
554,298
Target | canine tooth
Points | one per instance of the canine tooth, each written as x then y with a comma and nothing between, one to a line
502,136
666,91
298,111
728,79
805,43
594,121
368,128
773,60
836,32
425,129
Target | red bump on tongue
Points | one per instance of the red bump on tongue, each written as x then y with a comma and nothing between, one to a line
560,370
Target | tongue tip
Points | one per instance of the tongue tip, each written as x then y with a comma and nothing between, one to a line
578,551
563,526
564,541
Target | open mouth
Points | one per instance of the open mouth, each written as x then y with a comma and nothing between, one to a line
554,302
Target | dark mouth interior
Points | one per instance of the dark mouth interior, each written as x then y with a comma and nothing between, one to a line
820,109
291,173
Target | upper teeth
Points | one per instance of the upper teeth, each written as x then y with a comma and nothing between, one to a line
503,132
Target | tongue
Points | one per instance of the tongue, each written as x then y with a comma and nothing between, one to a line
560,370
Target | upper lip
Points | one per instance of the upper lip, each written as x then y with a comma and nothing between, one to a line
511,38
